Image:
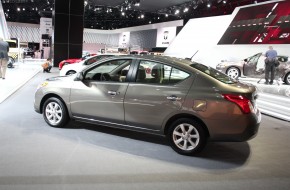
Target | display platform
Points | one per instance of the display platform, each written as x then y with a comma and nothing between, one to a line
16,77
273,99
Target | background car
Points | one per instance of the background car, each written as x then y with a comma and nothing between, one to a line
189,106
28,52
74,68
254,67
71,61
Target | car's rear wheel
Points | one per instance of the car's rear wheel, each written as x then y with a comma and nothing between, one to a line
55,113
70,73
233,72
187,136
287,78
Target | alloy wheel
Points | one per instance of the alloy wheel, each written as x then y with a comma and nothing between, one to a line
54,113
186,137
233,72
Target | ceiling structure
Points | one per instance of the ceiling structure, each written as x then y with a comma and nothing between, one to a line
115,14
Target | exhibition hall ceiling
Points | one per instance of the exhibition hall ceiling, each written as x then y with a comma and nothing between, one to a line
115,14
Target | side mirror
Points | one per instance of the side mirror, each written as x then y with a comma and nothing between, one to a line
80,76
245,60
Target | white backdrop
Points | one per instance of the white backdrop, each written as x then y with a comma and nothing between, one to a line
199,37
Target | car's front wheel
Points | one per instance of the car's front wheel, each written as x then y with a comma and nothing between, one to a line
55,113
70,73
233,72
187,136
287,78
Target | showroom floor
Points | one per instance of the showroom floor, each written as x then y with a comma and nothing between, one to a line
35,156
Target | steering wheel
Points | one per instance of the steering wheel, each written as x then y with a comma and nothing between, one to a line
105,77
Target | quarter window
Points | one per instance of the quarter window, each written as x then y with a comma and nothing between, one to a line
157,73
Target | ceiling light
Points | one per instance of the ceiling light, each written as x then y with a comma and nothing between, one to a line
224,1
149,22
123,13
208,5
142,16
177,11
166,15
18,9
185,9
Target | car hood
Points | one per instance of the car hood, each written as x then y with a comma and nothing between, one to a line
66,78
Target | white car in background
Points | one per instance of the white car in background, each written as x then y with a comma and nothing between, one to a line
76,67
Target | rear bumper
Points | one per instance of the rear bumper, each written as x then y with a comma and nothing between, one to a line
238,131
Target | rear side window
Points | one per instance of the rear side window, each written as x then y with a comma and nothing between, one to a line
214,73
158,73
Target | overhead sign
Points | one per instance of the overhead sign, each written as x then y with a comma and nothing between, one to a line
46,26
165,36
124,39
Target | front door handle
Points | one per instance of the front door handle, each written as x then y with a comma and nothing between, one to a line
113,93
173,98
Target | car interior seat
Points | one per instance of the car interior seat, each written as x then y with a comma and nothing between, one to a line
141,74
123,75
156,73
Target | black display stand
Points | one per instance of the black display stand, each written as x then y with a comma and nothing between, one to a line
68,25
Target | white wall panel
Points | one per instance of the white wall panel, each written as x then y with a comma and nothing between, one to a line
25,32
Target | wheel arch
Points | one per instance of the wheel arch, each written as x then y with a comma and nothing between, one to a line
188,116
70,71
47,96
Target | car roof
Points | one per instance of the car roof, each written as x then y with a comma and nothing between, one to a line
159,58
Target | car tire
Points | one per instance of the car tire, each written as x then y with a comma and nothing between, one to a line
287,78
233,72
187,136
71,72
55,113
10,63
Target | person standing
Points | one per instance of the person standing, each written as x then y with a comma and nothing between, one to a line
4,49
42,53
270,60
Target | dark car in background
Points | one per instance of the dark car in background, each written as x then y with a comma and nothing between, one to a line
189,103
28,52
254,67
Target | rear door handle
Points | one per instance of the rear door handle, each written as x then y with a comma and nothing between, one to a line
173,98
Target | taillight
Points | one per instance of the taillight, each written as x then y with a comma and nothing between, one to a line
243,102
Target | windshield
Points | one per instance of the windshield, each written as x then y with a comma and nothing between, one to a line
213,73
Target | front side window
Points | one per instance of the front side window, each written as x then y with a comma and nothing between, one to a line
113,70
158,73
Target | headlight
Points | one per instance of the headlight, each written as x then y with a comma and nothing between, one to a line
222,64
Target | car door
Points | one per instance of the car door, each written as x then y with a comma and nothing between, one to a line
250,65
99,96
151,98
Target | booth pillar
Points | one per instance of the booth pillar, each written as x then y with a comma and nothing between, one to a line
68,24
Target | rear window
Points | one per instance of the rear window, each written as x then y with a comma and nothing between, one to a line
213,73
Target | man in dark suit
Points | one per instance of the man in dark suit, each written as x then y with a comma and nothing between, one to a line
4,49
